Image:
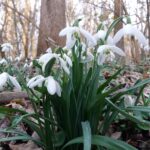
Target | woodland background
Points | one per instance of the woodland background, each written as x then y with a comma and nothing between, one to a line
32,26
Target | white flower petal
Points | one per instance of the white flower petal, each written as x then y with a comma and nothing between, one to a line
49,50
117,37
3,61
67,30
90,39
129,100
44,59
14,82
6,47
88,58
64,65
3,80
132,31
140,37
101,34
147,48
51,85
101,59
115,49
110,40
35,81
68,60
70,41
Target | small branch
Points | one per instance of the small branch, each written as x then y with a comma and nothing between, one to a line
6,97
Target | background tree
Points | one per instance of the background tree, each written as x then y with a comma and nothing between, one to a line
52,21
118,12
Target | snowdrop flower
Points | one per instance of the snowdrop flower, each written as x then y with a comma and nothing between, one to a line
147,46
3,61
20,57
101,34
132,31
6,47
51,84
26,65
31,64
68,60
89,57
106,53
10,58
36,81
69,32
4,80
17,59
129,100
49,50
44,59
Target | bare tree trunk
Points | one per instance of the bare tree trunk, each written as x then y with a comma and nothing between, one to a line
52,21
148,18
118,11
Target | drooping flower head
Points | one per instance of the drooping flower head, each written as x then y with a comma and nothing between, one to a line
44,59
6,47
130,30
5,78
106,53
3,61
101,34
70,33
50,83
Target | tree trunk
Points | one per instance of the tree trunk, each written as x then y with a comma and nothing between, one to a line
118,12
52,21
148,19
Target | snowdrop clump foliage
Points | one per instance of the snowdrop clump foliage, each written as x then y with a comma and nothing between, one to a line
70,95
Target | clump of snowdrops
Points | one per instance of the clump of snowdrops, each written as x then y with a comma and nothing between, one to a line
74,104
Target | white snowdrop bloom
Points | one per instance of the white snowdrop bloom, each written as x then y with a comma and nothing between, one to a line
129,100
147,48
89,57
131,31
44,59
49,50
101,34
69,32
106,53
50,83
4,80
83,46
53,86
20,57
14,82
26,65
10,58
6,47
68,59
3,61
17,59
31,64
36,81
63,65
